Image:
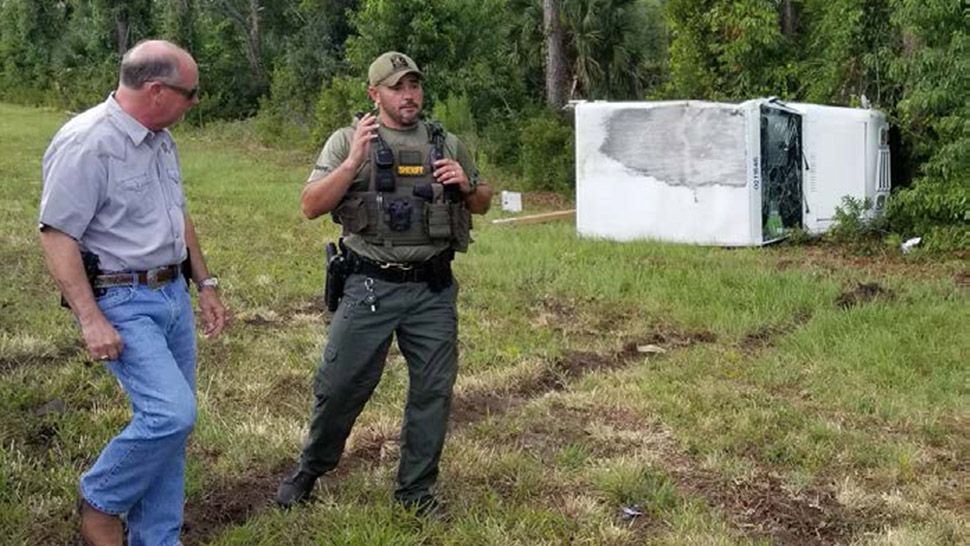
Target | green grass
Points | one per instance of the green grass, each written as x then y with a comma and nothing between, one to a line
774,416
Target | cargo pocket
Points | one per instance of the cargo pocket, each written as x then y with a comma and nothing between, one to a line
322,379
461,225
439,220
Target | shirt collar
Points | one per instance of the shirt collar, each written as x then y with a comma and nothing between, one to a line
124,121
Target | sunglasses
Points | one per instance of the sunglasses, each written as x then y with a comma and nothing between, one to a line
189,94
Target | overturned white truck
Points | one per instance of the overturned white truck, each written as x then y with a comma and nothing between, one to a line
723,174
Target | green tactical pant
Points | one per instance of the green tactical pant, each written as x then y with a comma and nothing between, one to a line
426,324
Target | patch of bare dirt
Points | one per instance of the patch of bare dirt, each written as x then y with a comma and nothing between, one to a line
541,200
42,358
589,319
374,446
578,319
962,279
573,364
232,501
668,338
569,425
837,261
471,407
555,376
228,502
765,336
864,293
760,508
763,507
476,406
260,320
285,388
313,309
762,337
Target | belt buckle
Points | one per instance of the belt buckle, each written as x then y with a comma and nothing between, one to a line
151,278
396,265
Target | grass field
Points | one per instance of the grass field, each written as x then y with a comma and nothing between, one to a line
792,395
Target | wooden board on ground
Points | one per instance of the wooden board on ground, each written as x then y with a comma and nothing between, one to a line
539,218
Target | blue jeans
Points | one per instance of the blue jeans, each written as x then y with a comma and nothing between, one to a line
141,472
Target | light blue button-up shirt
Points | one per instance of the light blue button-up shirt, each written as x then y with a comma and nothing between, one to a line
116,187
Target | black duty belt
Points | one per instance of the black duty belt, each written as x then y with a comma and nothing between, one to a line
152,278
393,272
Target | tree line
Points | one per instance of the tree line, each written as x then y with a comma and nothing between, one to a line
498,70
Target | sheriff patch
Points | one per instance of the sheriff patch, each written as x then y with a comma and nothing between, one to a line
410,163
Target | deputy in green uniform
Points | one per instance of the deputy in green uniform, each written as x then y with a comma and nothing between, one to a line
403,191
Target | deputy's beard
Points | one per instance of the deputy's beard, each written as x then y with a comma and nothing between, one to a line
408,120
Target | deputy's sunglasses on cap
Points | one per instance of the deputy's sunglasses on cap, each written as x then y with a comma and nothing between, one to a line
189,94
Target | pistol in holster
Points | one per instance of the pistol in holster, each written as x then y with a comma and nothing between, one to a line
92,268
338,269
441,275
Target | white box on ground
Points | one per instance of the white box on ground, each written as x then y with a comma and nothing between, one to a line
511,201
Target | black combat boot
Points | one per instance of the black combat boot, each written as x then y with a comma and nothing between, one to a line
427,507
295,488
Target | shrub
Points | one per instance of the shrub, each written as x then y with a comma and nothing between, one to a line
936,210
855,223
339,100
547,156
455,115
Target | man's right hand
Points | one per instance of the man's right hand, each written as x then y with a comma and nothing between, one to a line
364,134
101,338
63,256
322,195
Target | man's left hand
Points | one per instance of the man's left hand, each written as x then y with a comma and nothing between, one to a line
213,312
449,171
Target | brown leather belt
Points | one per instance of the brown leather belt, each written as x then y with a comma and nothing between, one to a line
152,278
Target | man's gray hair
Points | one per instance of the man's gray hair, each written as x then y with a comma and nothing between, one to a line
140,67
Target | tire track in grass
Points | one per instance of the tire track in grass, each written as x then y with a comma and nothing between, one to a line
228,502
759,508
44,358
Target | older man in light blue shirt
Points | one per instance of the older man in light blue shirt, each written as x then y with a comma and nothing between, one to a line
113,197
115,186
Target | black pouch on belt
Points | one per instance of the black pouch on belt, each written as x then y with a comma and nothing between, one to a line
441,276
337,272
92,268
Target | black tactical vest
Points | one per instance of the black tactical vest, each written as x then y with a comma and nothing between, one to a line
403,204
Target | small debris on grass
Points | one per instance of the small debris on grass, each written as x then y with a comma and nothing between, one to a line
631,512
651,349
909,244
55,406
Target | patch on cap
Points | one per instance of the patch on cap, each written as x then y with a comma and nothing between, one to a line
390,67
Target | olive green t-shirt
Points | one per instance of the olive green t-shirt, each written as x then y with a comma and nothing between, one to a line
336,150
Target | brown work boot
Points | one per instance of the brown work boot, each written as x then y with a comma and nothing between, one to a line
99,528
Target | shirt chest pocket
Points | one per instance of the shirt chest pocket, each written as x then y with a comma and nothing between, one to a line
137,194
174,187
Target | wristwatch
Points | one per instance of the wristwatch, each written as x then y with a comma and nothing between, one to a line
208,282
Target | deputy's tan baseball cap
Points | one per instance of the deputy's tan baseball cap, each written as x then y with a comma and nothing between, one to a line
390,67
